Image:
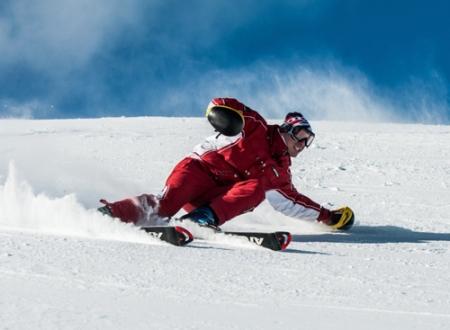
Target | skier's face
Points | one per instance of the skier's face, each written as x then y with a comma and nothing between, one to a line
298,141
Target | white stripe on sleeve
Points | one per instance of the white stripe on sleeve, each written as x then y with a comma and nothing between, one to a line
290,208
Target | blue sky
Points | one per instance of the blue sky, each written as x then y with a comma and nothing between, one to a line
338,60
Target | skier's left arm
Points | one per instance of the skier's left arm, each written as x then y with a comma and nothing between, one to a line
290,202
282,195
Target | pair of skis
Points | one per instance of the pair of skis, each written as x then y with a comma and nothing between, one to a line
180,236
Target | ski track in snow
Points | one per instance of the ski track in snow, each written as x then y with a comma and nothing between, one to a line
63,265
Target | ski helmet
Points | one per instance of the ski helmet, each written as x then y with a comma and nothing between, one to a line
293,123
293,120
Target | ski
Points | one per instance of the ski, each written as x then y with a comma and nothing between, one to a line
180,236
276,241
175,235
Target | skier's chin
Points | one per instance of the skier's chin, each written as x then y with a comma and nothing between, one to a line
294,152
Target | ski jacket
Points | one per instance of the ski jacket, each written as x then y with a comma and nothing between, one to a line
258,152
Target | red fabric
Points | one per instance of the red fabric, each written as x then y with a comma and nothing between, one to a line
325,216
188,181
241,197
259,154
232,179
229,102
191,185
131,209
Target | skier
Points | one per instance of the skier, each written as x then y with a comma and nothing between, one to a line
233,172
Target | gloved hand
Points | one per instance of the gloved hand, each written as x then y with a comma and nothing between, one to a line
341,219
226,120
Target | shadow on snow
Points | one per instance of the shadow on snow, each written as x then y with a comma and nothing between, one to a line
375,235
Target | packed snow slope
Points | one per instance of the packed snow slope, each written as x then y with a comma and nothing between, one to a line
63,266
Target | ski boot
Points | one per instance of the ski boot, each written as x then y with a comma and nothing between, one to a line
203,216
140,210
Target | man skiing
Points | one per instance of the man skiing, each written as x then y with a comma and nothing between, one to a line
233,172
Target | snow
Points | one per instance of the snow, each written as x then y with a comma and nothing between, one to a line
64,266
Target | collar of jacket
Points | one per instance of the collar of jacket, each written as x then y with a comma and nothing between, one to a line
278,147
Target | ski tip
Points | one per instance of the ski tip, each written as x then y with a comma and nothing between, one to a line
185,236
284,238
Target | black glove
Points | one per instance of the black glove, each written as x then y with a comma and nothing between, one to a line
226,121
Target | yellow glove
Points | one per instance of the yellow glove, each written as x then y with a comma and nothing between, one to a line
342,218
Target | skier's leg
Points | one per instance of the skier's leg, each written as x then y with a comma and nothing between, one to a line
239,198
206,197
188,180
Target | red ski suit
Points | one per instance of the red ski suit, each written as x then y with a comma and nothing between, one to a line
235,174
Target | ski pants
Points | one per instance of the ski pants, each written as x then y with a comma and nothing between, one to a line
191,185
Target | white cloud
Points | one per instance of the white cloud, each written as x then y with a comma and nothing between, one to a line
24,110
60,34
326,93
321,91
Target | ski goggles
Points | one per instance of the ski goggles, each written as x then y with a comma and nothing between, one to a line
302,134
